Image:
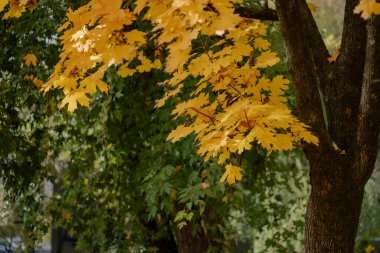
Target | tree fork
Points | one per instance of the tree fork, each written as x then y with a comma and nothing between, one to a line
342,96
369,110
350,90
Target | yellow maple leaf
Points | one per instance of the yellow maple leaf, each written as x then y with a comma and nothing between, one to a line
72,99
369,249
147,65
173,62
15,9
261,44
367,8
334,55
244,144
71,102
134,36
309,137
140,4
267,59
102,86
227,20
3,3
224,155
29,77
88,85
283,142
124,71
232,174
168,95
30,59
37,82
312,6
180,132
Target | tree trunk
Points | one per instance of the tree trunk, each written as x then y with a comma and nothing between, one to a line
340,101
347,91
333,210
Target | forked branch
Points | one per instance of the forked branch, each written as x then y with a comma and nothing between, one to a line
307,60
369,110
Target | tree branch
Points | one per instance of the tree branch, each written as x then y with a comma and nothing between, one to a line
354,34
307,59
369,110
343,90
261,14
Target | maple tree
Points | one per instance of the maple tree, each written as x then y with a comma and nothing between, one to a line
222,125
234,105
73,151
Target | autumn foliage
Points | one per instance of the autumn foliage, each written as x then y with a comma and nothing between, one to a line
234,103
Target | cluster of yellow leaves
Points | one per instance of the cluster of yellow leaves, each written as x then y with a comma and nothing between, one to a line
367,8
94,40
181,21
234,105
17,7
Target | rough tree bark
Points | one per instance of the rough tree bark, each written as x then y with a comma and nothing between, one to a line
342,163
349,89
